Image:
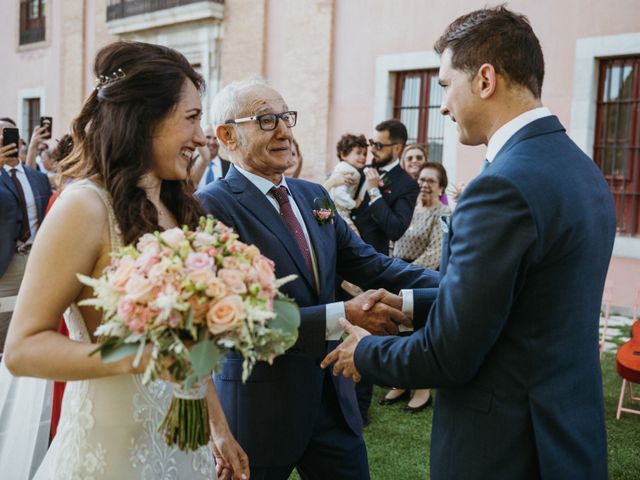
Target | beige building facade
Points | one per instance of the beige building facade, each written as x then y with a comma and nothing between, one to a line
346,65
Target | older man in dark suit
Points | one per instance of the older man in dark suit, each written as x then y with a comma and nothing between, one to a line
512,340
24,194
292,414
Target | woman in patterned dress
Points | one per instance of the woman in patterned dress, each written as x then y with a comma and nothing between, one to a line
421,245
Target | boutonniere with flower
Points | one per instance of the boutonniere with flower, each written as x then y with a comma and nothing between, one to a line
385,185
323,210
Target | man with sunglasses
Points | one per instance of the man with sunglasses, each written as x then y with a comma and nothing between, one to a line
388,197
292,414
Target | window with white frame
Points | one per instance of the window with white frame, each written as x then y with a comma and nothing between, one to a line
617,137
418,96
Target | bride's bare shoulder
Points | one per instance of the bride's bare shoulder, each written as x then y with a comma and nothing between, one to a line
80,211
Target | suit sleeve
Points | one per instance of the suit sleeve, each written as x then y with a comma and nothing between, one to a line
493,239
395,221
359,263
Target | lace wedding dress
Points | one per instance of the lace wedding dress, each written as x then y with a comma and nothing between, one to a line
108,426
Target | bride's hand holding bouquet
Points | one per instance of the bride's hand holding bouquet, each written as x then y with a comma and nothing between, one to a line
186,298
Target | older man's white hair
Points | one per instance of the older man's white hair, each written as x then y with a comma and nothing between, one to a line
226,104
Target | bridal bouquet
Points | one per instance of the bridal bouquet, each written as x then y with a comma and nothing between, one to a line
193,296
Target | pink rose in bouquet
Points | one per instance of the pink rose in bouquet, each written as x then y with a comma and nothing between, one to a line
226,314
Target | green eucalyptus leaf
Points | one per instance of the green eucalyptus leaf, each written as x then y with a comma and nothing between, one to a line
204,357
112,353
287,316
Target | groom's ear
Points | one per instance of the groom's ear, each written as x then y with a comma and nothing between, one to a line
227,135
486,80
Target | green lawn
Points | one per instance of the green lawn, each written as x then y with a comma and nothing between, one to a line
398,443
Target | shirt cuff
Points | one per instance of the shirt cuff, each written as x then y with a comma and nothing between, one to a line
334,311
407,308
374,199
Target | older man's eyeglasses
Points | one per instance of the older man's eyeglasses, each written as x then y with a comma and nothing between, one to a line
380,146
269,121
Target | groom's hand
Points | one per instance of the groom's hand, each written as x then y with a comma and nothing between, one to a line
342,356
375,316
372,297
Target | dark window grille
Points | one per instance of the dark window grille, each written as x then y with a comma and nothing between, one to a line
32,110
617,137
32,21
418,96
117,9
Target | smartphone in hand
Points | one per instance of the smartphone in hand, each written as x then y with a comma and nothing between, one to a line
9,136
46,122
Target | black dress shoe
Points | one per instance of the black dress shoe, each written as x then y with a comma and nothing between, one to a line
419,408
391,401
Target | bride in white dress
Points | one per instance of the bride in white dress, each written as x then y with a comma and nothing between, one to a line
134,140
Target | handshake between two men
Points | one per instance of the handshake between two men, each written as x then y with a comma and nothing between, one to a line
375,312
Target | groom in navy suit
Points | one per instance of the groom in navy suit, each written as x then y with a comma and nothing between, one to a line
511,342
293,414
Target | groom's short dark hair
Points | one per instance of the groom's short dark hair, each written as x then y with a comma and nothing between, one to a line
500,37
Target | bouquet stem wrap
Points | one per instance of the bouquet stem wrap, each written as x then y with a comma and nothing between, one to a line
186,423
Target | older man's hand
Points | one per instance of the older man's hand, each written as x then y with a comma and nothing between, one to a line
369,312
342,356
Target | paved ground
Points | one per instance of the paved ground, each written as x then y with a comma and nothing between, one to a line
618,331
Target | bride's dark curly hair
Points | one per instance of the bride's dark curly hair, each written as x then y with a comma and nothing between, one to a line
113,133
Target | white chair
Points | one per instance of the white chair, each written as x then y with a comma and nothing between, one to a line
606,302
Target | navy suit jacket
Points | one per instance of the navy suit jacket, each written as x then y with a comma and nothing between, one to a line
273,414
512,339
10,214
388,217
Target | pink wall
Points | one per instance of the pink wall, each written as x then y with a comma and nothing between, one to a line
365,29
30,68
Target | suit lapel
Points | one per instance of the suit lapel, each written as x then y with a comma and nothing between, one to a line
5,178
255,202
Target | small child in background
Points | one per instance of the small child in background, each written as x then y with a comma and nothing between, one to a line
352,152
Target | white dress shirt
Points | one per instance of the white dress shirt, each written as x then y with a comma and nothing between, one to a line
508,130
334,311
32,209
383,171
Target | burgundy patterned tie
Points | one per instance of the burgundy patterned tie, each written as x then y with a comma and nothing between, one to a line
290,219
25,231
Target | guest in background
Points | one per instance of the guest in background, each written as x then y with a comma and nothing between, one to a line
294,170
414,157
421,245
352,153
213,166
388,196
24,193
37,145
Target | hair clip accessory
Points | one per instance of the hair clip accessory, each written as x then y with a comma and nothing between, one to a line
104,80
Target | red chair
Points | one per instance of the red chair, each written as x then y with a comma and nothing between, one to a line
628,367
